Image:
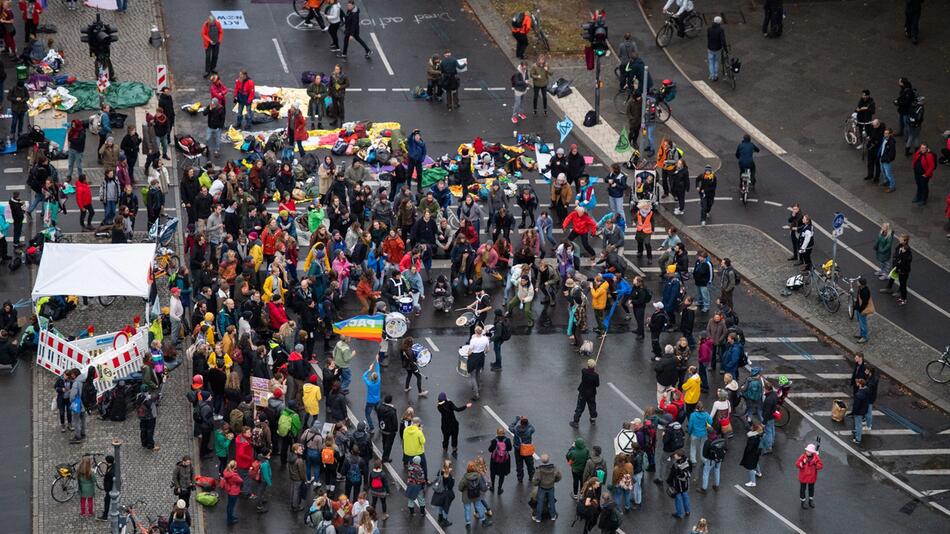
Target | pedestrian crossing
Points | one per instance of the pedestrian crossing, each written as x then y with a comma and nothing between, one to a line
819,376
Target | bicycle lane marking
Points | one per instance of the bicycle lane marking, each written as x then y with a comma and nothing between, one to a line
900,483
769,509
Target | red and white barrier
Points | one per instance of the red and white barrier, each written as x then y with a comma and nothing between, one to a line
57,355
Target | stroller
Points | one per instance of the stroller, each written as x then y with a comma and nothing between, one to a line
191,149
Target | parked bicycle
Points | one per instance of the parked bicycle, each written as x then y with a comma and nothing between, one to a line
131,523
65,485
692,25
855,132
939,370
729,66
543,42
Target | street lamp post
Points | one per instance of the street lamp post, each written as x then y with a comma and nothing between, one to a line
116,486
643,111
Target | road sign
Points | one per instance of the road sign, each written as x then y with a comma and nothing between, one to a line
838,221
837,232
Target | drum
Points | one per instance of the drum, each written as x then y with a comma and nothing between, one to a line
462,367
466,319
395,325
405,304
423,356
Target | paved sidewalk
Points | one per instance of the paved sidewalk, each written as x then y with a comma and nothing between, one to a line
800,88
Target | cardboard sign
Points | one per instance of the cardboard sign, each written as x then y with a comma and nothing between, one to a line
231,20
260,390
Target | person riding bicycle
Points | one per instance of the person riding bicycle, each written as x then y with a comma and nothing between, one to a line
685,8
744,153
626,53
784,386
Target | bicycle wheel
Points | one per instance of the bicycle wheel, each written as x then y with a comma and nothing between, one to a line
829,297
106,301
299,8
620,102
806,284
64,488
663,111
692,25
744,195
850,136
850,308
543,41
665,35
785,414
939,371
730,77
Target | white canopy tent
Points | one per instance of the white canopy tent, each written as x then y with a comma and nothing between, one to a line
94,270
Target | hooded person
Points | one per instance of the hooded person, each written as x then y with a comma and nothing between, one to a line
311,398
577,457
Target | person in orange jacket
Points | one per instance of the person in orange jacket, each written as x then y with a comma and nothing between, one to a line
520,27
313,12
581,225
211,35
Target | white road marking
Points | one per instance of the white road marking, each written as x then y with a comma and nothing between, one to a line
735,117
770,203
400,89
11,170
186,90
690,139
828,414
873,265
377,89
625,398
818,395
16,187
882,432
497,88
911,452
835,376
503,424
382,54
753,358
802,357
432,344
931,493
945,432
283,62
790,376
354,90
851,225
867,460
769,509
471,88
806,339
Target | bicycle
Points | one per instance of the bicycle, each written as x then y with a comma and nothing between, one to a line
692,24
855,132
65,485
539,31
852,296
129,522
784,412
729,66
745,180
166,263
939,370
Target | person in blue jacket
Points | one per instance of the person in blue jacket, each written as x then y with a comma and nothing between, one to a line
744,153
732,356
672,293
417,154
372,381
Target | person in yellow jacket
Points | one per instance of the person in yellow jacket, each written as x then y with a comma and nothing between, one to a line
273,284
205,328
598,301
311,400
319,246
691,389
215,361
414,444
256,251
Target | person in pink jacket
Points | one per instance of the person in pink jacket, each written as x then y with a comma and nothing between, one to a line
808,465
341,266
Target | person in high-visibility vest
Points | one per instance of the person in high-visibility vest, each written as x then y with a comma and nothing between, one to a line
644,229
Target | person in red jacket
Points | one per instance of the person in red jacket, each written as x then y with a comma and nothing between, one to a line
297,127
211,35
808,465
231,483
583,225
84,202
924,163
218,89
243,96
244,451
31,10
269,239
276,312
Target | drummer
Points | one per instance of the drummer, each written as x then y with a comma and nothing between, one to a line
394,289
480,308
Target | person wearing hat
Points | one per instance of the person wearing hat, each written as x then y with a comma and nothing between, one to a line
179,520
587,393
561,195
558,164
808,464
672,292
644,229
706,187
658,323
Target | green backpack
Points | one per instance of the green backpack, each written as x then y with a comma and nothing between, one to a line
207,498
284,423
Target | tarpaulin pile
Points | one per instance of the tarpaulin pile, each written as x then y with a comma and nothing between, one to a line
84,96
357,138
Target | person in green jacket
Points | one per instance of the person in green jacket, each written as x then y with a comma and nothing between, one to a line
540,74
577,456
87,486
266,480
222,446
318,104
315,216
882,250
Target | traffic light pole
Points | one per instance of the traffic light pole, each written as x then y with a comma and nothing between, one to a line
597,89
643,112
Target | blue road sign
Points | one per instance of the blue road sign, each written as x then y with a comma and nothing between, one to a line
839,221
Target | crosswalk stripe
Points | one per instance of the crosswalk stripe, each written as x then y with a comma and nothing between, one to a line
911,452
817,395
804,339
791,376
828,414
882,432
835,376
802,357
753,358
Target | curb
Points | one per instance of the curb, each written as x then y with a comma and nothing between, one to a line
799,311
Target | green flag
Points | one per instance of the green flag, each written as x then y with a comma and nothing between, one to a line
623,144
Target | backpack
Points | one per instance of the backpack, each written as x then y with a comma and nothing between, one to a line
517,21
743,357
283,423
626,481
600,474
736,274
95,123
505,331
255,471
178,526
474,488
640,462
353,474
500,455
207,498
322,527
676,438
339,147
328,456
610,521
590,119
717,449
89,393
376,482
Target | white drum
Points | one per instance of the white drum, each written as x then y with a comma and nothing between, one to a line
395,325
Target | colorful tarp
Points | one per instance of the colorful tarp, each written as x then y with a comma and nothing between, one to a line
119,95
317,139
367,327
